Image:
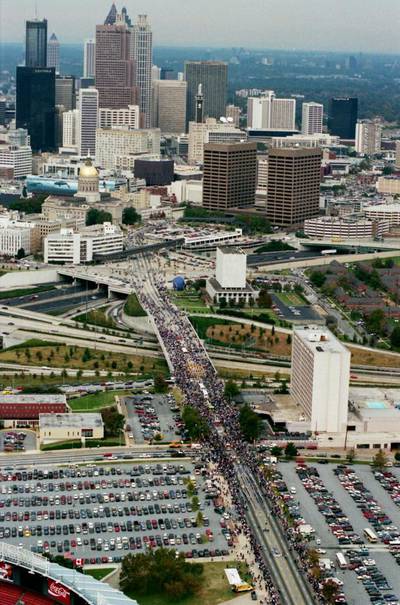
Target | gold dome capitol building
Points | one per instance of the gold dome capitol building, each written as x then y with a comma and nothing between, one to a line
89,182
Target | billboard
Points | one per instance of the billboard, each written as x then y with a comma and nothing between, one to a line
6,572
59,592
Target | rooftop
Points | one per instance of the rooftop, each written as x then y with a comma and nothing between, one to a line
42,398
320,340
91,420
231,250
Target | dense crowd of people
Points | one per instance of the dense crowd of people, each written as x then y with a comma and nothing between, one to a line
195,375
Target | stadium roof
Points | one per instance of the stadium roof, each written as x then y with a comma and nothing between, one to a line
93,591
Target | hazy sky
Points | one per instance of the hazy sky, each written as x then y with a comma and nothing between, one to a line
348,25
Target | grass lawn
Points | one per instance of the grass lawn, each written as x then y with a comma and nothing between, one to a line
242,336
98,318
77,444
203,324
189,301
373,358
215,587
24,291
79,358
133,307
291,299
98,574
96,401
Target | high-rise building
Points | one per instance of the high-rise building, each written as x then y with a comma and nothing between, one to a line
213,76
88,105
116,118
199,117
115,69
232,114
142,53
293,184
53,53
312,118
210,131
169,106
368,137
35,105
65,92
89,58
320,378
397,154
3,105
270,113
156,72
36,43
342,117
112,15
118,148
229,179
71,125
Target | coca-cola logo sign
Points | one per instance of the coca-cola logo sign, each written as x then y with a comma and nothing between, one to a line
59,592
5,572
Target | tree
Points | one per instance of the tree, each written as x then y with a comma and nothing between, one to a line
290,450
397,456
160,385
231,389
264,299
289,339
276,451
21,253
350,456
97,217
113,421
195,504
317,278
379,460
195,425
130,216
374,322
395,338
222,303
250,423
330,590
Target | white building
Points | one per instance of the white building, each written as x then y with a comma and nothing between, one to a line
115,118
15,162
326,227
71,126
312,118
384,212
65,427
210,131
14,236
306,140
169,106
89,58
142,53
53,53
262,175
212,239
88,105
187,190
270,113
230,282
117,149
368,137
320,378
70,247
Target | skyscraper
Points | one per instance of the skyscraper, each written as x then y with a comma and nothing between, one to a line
270,113
199,117
312,118
213,76
142,53
112,15
35,106
169,106
294,176
36,43
229,175
88,105
368,137
65,92
53,53
342,117
115,69
89,59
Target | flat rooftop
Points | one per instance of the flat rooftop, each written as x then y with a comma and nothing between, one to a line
88,421
320,340
231,250
24,399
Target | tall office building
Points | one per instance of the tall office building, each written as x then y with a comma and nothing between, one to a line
89,58
312,118
112,15
199,116
115,69
71,129
320,378
36,43
229,179
233,114
35,105
128,117
210,131
342,117
53,53
65,92
368,137
142,53
293,184
88,105
169,106
213,76
270,113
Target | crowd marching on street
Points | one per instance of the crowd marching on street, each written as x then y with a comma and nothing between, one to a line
198,380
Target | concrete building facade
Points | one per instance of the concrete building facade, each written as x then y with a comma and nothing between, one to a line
169,106
312,119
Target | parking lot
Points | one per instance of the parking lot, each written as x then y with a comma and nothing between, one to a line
98,513
152,414
294,313
29,442
340,503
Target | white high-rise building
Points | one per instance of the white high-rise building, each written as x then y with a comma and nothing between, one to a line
117,148
142,53
15,161
88,104
312,118
115,118
368,137
210,131
71,125
156,72
53,53
169,106
320,378
270,113
89,59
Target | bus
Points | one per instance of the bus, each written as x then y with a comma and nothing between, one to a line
341,560
369,534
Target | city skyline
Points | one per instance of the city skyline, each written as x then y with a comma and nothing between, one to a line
360,27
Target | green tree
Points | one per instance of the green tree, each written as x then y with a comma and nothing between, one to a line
395,338
113,421
375,321
329,591
276,451
290,450
195,425
379,460
130,216
97,217
231,389
317,278
250,423
264,299
195,504
21,253
160,384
